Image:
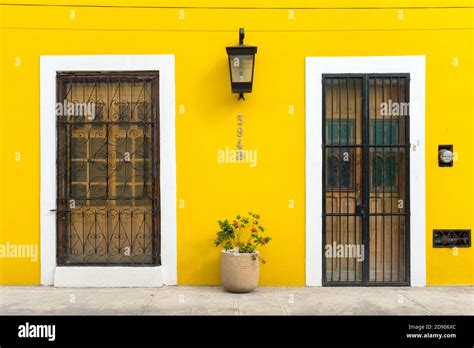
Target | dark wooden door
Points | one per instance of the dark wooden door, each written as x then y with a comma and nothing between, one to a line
108,191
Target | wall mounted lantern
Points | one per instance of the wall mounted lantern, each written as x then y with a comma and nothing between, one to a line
241,65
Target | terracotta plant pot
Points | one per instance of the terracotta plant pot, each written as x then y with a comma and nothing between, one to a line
239,272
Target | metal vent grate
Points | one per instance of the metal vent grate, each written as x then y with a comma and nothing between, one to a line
451,238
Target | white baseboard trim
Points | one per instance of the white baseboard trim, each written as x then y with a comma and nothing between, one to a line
101,277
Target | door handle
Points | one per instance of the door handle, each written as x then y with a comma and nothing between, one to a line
361,209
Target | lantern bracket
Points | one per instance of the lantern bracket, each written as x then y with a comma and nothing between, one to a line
241,42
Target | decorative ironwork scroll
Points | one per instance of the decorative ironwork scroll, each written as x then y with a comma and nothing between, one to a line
451,238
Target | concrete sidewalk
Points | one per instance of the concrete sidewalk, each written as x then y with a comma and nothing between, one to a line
187,300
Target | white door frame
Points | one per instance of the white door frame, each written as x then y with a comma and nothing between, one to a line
315,68
93,276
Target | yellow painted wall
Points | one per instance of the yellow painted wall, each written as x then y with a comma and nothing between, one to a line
210,190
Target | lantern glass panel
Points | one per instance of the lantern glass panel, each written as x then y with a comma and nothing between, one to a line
241,67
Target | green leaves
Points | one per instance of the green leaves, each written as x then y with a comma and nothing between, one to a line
243,234
225,234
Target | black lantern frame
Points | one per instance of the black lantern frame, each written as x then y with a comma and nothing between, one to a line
243,51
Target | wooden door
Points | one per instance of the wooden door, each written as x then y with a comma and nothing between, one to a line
108,168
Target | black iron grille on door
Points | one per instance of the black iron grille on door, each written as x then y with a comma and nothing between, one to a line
366,206
108,190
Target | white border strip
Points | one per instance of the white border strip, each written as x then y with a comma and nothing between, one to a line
315,67
114,276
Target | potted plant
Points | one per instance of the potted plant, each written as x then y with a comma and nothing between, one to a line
240,259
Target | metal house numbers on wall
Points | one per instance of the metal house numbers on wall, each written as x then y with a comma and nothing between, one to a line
240,133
